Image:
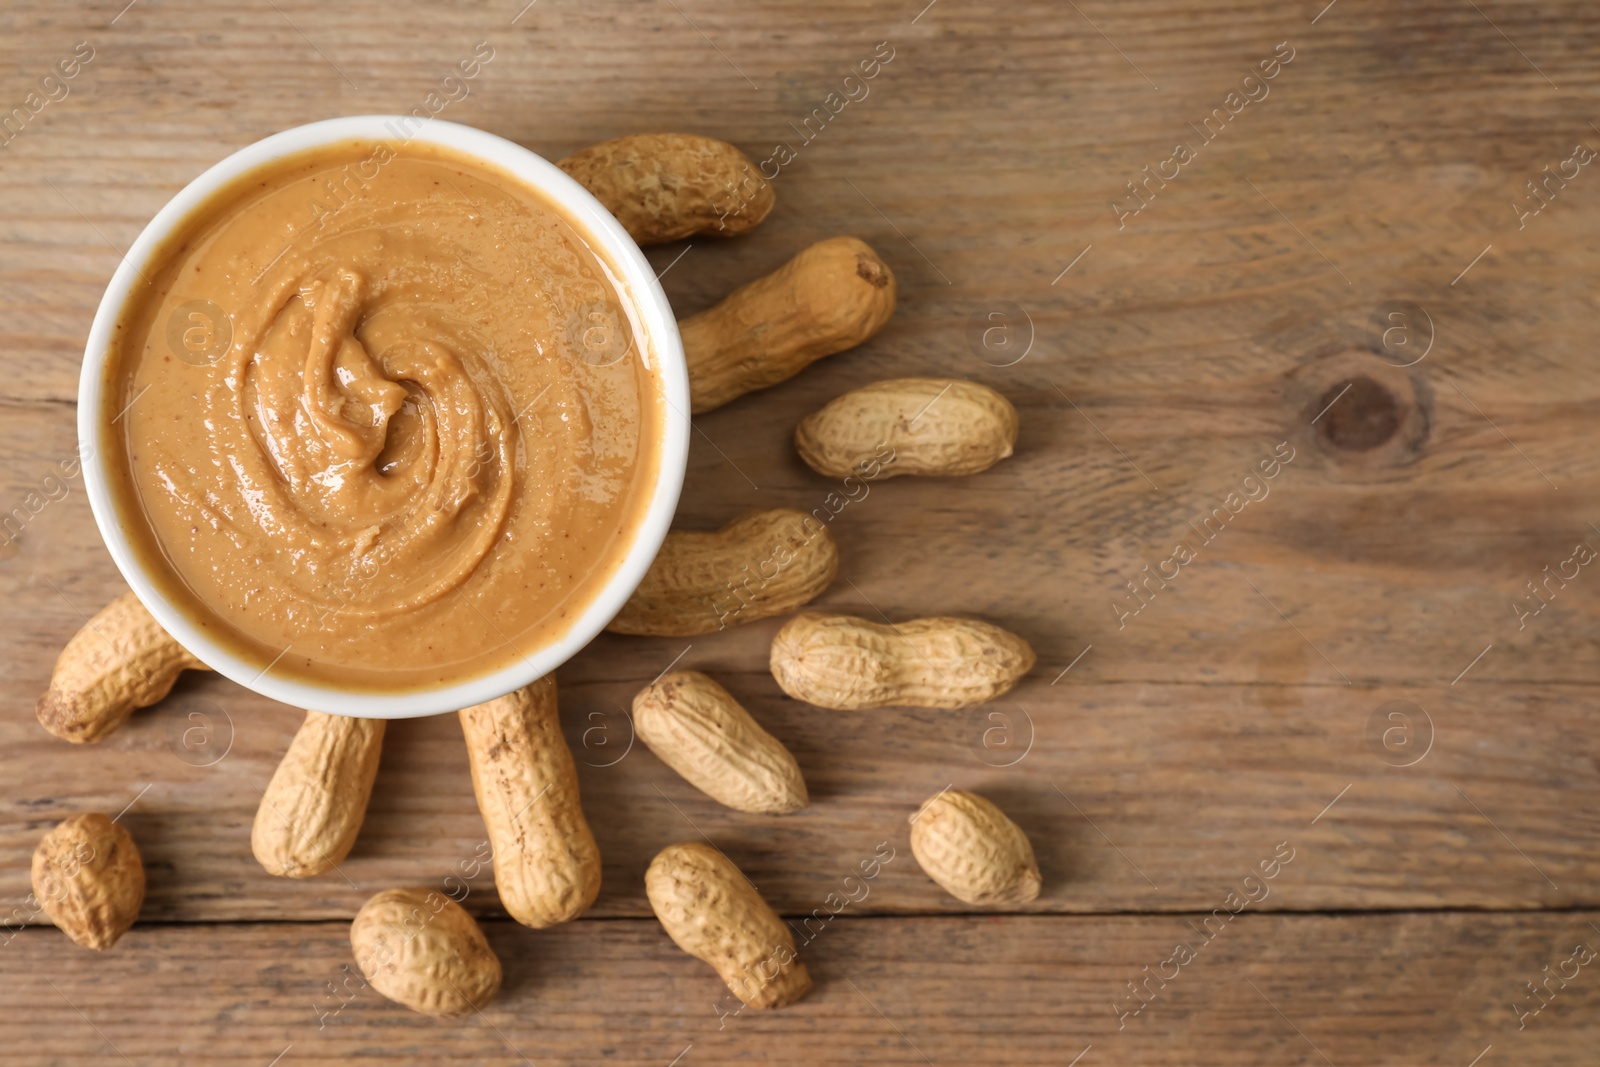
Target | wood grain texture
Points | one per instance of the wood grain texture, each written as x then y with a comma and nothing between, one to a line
1413,989
1164,361
1188,784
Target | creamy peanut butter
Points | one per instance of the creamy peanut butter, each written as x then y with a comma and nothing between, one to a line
387,421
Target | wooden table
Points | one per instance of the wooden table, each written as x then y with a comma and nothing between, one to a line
1442,459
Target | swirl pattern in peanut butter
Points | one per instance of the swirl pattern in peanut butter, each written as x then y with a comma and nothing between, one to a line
386,417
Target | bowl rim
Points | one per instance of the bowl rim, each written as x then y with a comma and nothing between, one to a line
638,284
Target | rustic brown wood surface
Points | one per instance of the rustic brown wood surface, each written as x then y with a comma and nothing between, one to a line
1153,757
1403,987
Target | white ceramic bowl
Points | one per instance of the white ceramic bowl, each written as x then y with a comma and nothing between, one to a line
638,286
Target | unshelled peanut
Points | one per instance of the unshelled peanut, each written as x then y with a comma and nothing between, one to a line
546,863
698,729
973,851
936,426
846,663
314,806
711,911
832,296
88,877
421,949
763,564
120,661
666,186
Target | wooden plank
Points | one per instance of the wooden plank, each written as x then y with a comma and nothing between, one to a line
1414,989
1137,796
